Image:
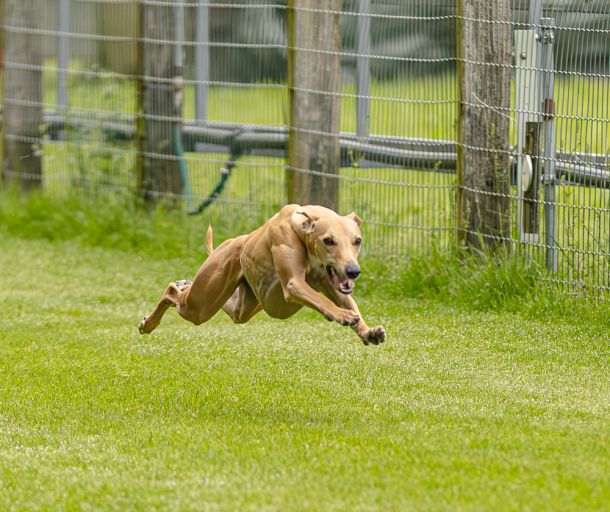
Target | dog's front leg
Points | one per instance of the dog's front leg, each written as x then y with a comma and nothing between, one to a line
297,290
289,264
368,335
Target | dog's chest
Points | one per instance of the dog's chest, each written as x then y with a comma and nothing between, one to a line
315,276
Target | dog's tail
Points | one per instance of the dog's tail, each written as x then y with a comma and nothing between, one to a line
209,242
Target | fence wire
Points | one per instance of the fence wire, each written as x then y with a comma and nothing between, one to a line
189,99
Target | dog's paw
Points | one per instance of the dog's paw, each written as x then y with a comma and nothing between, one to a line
146,327
347,317
142,326
374,336
182,284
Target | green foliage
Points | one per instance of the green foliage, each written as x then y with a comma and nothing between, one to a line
480,281
504,281
114,221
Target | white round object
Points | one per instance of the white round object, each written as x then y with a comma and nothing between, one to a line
527,172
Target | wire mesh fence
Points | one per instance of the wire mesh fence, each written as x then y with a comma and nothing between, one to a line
190,100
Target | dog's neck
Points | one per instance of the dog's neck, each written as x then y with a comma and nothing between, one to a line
310,246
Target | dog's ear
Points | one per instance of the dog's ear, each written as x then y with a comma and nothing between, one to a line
302,222
355,218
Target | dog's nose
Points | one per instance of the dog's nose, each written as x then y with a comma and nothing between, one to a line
352,271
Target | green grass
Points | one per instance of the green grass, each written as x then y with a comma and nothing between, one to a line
424,264
460,410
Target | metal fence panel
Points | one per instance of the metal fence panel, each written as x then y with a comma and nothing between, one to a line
400,107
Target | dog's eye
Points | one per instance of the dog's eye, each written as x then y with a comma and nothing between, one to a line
328,241
358,241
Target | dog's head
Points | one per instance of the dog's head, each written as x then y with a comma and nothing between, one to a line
333,242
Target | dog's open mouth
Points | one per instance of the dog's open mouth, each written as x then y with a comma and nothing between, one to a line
345,285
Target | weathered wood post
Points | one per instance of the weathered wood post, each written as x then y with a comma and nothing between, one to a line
484,59
159,173
314,71
22,96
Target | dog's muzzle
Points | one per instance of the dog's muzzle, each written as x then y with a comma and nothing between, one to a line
344,285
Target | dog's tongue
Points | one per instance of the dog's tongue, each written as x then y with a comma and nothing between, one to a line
334,277
347,285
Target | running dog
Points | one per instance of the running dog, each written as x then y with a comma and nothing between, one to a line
302,256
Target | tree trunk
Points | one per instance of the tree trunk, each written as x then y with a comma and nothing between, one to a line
484,52
22,96
160,172
314,70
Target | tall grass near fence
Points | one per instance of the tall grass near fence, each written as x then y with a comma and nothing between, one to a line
501,281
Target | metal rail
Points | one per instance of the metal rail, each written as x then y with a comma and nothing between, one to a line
589,170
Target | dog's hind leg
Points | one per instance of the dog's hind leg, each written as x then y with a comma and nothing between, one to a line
243,304
212,287
170,299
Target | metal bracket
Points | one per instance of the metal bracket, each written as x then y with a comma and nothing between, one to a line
528,104
527,88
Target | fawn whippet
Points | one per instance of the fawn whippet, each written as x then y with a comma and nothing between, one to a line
279,268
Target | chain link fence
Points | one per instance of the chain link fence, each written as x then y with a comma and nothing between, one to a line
190,101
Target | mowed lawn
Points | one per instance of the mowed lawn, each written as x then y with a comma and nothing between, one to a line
459,410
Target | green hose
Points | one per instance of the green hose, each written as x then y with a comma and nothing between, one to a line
178,149
225,173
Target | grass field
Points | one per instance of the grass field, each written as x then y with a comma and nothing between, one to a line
459,410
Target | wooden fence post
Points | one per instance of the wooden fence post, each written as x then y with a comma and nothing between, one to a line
484,59
314,75
159,173
22,96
